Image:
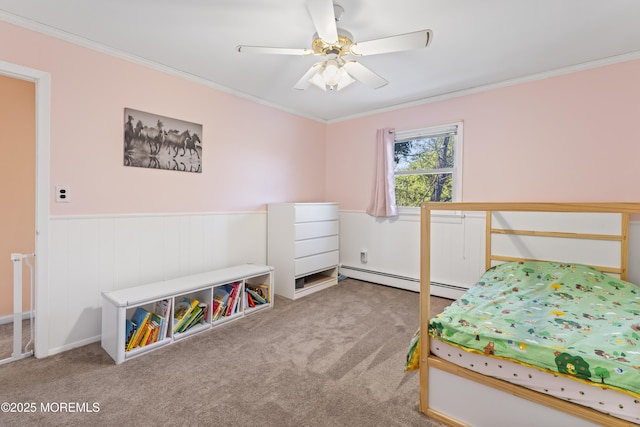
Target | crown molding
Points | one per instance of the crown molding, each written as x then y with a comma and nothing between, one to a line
86,43
498,85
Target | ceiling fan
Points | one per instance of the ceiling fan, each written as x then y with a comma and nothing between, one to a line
336,71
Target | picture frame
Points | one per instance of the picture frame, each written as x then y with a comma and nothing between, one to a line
158,142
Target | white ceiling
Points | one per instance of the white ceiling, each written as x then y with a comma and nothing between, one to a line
475,43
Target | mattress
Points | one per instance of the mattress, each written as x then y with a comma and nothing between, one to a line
617,404
569,320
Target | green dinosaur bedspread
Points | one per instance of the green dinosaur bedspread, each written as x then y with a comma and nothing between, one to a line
565,318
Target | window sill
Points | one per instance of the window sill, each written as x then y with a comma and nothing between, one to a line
413,214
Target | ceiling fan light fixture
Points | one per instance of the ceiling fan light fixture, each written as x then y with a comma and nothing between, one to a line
316,80
330,74
345,79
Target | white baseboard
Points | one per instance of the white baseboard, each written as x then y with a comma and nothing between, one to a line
9,319
73,345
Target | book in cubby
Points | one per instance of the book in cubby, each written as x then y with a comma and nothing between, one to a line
191,312
227,301
147,324
257,293
219,303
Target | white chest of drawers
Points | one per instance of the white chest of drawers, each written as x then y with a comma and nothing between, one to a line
302,247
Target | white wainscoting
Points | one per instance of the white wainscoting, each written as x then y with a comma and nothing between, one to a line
92,254
393,250
458,245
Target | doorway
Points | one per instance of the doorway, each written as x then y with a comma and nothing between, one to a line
17,211
39,83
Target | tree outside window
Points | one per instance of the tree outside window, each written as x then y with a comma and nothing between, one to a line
425,166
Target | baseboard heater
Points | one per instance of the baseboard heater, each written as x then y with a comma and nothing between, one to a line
404,282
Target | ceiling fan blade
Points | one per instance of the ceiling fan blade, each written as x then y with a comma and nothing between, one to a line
304,82
274,50
364,75
324,19
397,43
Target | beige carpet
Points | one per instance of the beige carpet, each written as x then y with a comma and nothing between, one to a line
334,358
6,339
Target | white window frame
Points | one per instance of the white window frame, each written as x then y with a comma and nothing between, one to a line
456,171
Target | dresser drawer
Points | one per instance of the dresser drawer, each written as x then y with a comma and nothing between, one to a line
309,247
311,230
315,263
316,212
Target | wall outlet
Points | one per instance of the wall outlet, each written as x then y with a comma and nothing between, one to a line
62,194
363,257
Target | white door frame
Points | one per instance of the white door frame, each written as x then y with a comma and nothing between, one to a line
42,81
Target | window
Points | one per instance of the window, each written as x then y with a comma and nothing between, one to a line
427,165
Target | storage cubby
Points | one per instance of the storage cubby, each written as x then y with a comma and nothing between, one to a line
191,313
121,306
321,278
135,341
257,285
230,306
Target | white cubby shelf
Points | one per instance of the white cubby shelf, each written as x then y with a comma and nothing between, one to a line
119,306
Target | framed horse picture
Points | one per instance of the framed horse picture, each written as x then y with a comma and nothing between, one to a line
158,142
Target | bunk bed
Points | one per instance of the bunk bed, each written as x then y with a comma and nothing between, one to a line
465,386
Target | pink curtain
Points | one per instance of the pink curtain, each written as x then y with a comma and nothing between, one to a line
383,199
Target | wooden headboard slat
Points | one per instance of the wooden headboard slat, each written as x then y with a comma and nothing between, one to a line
586,236
595,207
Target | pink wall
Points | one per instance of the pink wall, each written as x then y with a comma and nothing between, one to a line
572,137
252,154
568,138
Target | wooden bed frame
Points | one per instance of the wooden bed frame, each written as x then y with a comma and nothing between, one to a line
532,399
